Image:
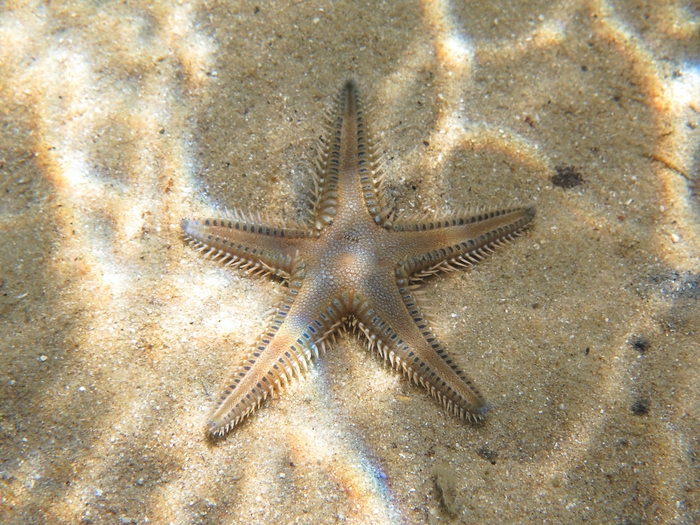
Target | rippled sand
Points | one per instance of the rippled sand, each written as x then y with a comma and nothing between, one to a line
118,121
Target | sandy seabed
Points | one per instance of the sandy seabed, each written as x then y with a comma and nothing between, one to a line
119,119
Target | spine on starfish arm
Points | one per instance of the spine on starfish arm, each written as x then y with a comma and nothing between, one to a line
370,163
325,174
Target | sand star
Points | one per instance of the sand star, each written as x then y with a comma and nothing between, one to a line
357,263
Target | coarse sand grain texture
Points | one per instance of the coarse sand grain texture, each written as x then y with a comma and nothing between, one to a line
119,119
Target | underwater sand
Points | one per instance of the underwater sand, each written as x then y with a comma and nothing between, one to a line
118,120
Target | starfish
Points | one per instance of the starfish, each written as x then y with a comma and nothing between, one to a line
357,263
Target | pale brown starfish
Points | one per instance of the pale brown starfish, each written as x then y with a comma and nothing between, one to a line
358,263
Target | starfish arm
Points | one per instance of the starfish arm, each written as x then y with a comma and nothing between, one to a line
348,171
247,242
404,338
454,241
273,361
293,339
